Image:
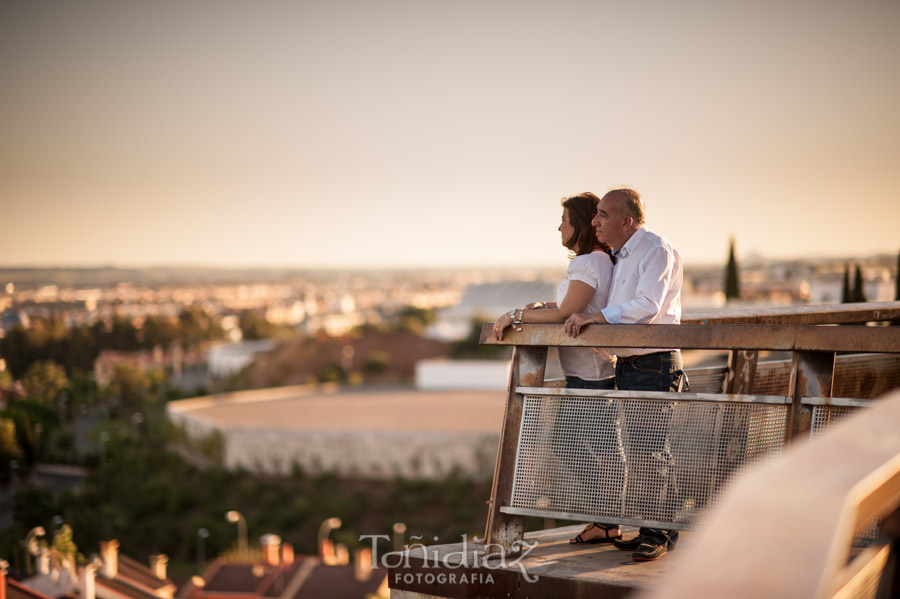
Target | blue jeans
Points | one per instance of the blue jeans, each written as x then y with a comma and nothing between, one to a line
660,371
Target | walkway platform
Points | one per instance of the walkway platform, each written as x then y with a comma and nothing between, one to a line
553,568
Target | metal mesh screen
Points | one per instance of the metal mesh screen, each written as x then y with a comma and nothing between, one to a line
825,416
644,460
856,375
865,376
707,380
772,378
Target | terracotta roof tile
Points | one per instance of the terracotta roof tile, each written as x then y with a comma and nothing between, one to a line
17,590
140,573
123,588
235,578
338,582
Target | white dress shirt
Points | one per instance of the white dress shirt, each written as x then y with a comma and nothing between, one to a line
646,286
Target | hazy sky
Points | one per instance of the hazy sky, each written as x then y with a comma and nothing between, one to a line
419,132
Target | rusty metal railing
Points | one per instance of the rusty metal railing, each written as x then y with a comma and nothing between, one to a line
814,371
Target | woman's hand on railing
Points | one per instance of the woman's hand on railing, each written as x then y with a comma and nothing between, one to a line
501,324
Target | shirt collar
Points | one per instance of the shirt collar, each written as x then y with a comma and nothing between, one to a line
632,242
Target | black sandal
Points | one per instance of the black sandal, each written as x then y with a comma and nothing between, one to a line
607,539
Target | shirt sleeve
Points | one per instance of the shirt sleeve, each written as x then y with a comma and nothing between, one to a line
580,270
654,278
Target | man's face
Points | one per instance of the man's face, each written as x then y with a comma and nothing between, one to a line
609,222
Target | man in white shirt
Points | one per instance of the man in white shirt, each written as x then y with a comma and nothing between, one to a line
646,289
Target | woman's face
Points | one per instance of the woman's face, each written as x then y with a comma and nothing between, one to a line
566,229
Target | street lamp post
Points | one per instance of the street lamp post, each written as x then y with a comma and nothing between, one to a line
399,535
136,419
235,517
104,439
324,529
202,535
32,548
38,429
14,476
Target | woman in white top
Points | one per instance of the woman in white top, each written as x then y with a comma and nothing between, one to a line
585,289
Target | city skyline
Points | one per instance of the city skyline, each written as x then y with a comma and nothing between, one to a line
411,134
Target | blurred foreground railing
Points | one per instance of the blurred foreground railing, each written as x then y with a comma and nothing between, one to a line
589,455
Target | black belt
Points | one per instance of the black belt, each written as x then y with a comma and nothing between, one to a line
626,359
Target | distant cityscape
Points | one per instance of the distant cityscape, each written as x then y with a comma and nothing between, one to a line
329,395
334,302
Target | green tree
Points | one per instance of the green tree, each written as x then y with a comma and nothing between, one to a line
470,347
132,388
896,322
80,349
119,334
64,549
414,319
845,289
42,340
376,362
27,414
859,292
9,445
158,330
197,326
897,280
45,381
254,325
732,282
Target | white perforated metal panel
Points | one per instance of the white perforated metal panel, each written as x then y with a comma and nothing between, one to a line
637,460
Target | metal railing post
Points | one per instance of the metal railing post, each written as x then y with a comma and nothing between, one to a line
504,532
812,374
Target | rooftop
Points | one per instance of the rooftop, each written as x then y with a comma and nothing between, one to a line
393,410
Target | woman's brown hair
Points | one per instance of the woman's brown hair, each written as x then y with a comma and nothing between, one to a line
582,210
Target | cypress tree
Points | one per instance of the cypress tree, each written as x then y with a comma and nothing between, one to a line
732,283
859,293
845,290
897,280
896,323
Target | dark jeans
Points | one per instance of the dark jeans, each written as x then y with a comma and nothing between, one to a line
573,382
661,371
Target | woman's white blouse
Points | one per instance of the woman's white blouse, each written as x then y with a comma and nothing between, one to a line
588,363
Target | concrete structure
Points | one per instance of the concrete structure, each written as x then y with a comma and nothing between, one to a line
377,434
230,358
485,302
444,374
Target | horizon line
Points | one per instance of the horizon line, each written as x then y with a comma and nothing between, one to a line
357,267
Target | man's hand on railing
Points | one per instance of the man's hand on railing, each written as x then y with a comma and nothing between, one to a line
576,322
